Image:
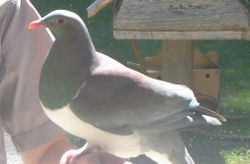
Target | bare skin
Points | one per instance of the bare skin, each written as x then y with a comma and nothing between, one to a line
51,153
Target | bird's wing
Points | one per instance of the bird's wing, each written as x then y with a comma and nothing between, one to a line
119,100
184,120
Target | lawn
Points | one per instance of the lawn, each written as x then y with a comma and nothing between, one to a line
234,59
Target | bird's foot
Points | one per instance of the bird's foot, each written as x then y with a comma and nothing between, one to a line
91,154
70,156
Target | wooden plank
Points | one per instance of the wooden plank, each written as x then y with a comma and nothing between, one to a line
187,35
140,59
181,15
154,61
96,6
209,60
207,82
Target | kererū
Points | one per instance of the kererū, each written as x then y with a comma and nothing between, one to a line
115,108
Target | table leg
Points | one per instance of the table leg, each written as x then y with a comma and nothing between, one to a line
177,62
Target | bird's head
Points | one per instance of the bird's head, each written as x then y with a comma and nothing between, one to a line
59,22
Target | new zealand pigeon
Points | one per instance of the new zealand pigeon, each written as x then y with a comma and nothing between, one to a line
115,108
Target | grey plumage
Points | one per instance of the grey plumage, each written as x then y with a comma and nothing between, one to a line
114,107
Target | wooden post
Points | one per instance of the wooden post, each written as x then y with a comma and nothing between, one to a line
177,61
140,59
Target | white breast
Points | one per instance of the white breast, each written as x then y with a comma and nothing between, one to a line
123,146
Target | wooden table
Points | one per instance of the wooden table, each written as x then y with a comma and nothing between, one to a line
178,23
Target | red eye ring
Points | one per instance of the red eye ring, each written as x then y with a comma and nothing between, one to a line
60,21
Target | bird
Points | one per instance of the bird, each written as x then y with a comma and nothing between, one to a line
115,108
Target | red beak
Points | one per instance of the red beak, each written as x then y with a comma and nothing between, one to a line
35,24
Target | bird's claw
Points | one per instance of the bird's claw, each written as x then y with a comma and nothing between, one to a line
70,156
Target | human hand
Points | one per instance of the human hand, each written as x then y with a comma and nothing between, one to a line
90,155
100,158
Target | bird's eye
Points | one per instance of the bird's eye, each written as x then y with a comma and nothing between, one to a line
60,21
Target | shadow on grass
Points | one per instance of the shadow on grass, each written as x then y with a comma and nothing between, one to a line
205,150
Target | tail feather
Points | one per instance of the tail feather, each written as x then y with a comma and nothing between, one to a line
211,113
188,119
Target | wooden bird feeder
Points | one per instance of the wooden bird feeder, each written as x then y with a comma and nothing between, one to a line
178,23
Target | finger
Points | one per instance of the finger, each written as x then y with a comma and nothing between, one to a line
101,158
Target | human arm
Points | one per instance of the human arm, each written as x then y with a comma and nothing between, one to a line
48,153
51,152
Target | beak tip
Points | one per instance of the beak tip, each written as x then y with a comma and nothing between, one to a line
35,24
30,26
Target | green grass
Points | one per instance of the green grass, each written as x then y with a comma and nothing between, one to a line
237,156
234,59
